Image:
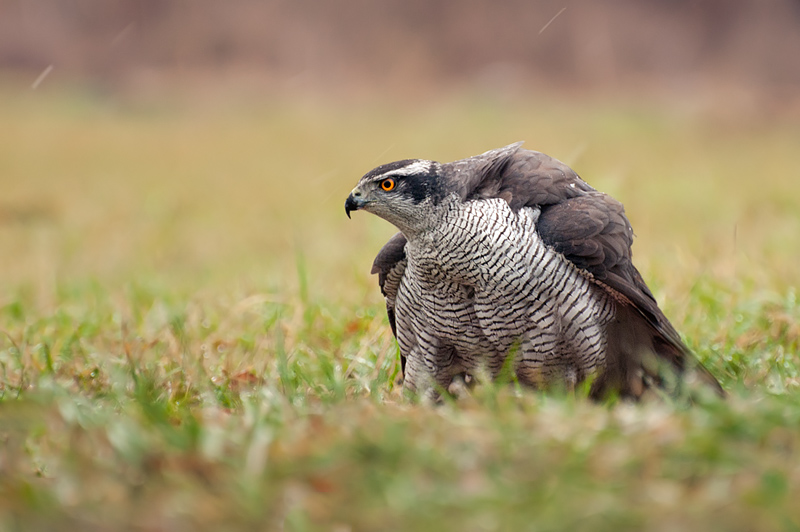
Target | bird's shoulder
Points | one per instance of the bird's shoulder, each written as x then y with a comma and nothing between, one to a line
520,177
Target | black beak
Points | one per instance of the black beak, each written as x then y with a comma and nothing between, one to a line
353,203
350,205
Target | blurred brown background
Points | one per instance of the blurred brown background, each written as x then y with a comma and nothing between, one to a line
738,55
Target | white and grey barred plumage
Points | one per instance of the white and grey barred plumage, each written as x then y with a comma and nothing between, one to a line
510,253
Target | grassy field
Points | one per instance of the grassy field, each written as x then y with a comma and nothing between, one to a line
190,338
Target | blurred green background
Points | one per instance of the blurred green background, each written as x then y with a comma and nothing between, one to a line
205,137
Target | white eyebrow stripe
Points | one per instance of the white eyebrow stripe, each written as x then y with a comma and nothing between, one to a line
417,167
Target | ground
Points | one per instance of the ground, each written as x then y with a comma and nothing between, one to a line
191,338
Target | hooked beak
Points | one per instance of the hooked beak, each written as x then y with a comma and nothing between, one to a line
354,202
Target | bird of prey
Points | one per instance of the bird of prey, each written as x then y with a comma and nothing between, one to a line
509,257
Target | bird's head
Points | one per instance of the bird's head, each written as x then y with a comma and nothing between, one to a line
401,192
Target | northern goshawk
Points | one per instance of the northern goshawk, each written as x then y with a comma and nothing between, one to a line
511,254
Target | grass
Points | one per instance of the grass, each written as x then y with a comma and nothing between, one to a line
190,339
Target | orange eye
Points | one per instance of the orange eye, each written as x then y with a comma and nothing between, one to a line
388,184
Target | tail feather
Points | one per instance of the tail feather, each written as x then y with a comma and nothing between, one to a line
639,356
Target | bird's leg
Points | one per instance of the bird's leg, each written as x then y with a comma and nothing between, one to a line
429,372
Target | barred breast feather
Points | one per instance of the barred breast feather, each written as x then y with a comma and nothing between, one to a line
482,284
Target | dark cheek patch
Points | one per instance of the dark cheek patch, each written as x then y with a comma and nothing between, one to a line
421,187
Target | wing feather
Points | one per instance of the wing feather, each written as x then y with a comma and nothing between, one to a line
390,264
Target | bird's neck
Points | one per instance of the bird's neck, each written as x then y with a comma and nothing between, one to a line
428,218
